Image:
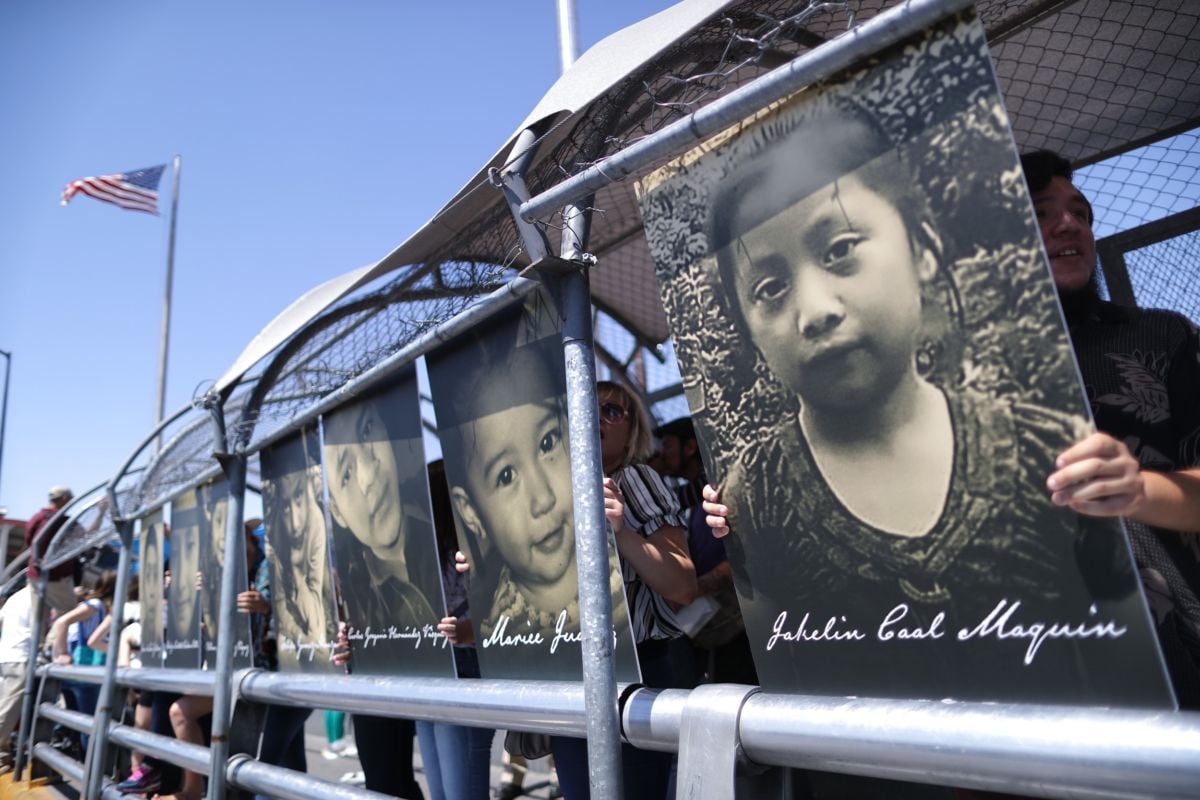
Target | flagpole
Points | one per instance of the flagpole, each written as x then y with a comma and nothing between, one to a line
165,337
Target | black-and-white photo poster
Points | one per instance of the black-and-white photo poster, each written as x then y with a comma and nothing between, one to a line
302,595
388,577
150,588
214,501
499,393
182,645
877,366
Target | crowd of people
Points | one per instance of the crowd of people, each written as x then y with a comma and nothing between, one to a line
668,522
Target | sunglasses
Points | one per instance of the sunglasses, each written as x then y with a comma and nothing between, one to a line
612,412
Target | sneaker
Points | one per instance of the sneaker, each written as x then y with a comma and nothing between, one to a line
143,780
330,754
356,778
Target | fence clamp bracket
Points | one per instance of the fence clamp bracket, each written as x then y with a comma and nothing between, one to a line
710,747
553,265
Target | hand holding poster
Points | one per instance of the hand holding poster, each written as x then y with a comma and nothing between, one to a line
298,553
876,363
387,569
499,393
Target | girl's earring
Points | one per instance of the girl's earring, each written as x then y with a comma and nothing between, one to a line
927,357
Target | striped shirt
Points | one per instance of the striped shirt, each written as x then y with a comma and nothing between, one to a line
649,505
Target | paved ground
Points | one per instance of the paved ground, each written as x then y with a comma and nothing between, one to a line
347,768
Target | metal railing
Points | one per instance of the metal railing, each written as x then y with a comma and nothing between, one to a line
721,733
1034,750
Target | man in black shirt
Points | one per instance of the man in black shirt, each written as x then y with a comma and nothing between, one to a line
1141,370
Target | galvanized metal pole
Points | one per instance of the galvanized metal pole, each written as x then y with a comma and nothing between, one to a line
165,335
591,537
587,477
98,744
568,37
4,415
235,554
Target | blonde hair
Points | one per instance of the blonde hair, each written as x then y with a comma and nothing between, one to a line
641,442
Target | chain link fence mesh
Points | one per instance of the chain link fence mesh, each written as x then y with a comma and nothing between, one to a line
1150,194
90,527
1088,78
1165,275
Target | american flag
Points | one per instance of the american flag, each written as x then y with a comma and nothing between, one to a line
137,190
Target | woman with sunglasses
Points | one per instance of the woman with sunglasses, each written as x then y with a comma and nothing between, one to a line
649,525
651,536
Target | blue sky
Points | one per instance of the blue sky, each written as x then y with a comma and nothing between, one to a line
316,136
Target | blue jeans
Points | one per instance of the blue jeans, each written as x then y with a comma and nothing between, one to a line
81,697
283,739
457,760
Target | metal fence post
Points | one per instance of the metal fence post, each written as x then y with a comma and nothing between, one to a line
98,744
591,537
37,633
235,553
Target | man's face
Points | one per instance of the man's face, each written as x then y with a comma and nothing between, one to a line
364,486
251,549
1063,216
672,456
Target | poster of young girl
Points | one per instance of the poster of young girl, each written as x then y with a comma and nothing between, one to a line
150,587
302,595
214,498
499,393
182,645
876,363
388,575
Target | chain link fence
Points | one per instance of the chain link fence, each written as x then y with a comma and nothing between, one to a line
1089,78
1146,219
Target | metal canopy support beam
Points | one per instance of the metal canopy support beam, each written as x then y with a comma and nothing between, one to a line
888,28
137,451
591,537
235,556
490,305
98,743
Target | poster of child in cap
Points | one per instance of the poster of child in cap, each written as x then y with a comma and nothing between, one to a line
878,370
499,393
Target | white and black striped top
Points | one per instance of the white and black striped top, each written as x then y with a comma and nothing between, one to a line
649,505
